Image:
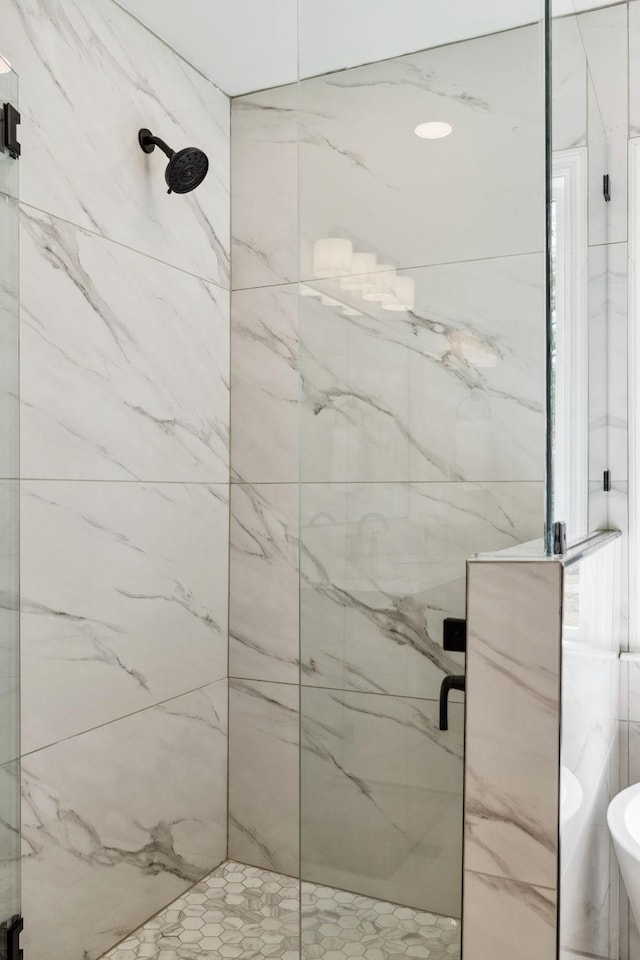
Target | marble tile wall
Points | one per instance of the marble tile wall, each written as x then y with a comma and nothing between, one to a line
543,686
589,901
372,453
125,465
512,759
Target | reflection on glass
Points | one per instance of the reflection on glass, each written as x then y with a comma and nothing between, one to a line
422,443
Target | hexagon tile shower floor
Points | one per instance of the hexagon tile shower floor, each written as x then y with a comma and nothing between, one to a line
245,912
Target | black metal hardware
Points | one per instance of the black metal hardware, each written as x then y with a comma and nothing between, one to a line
10,121
148,143
606,481
559,538
454,634
450,682
12,931
606,187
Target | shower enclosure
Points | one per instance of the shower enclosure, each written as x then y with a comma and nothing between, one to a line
9,514
422,428
389,221
391,416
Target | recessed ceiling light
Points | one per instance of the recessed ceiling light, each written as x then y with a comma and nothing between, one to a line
433,130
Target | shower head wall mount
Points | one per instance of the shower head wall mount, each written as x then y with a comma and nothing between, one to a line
186,168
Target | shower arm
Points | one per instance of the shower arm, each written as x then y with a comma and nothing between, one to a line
148,143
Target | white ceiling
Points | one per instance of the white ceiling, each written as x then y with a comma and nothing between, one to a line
245,45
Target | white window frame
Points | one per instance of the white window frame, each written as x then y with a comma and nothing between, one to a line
633,401
571,379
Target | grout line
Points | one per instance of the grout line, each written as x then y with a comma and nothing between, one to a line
276,483
169,46
125,716
364,693
418,266
118,243
157,913
299,80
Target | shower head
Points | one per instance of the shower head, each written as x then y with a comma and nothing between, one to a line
186,168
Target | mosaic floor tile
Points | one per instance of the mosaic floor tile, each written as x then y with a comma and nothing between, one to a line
247,913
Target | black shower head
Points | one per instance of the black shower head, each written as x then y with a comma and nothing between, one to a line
186,168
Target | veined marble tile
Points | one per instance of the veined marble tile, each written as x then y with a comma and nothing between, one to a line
384,564
589,908
451,390
264,582
364,175
124,599
512,698
119,821
604,37
264,384
264,187
90,77
128,377
264,774
569,79
590,752
382,798
526,929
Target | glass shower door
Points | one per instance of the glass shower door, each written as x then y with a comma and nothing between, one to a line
422,432
10,906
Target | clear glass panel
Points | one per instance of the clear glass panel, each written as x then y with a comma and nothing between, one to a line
9,531
422,356
589,143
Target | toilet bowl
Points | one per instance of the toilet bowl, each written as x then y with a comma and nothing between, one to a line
623,818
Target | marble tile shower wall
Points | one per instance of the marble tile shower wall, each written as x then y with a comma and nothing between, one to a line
125,460
417,441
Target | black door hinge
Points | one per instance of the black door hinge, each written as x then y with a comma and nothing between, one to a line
12,931
606,481
454,634
10,121
606,187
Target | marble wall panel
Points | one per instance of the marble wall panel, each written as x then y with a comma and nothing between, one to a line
264,769
512,758
124,600
264,582
507,920
450,199
605,38
119,821
383,564
264,385
569,80
382,798
452,390
264,187
90,77
128,377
